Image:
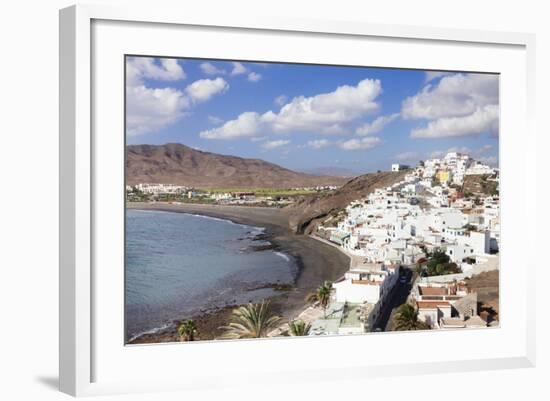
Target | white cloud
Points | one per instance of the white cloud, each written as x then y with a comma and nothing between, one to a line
204,89
322,113
490,160
480,121
344,104
478,154
376,126
280,100
460,149
246,125
151,109
211,69
254,77
166,69
318,143
408,156
431,75
437,154
455,95
275,144
458,105
334,129
238,69
360,144
214,120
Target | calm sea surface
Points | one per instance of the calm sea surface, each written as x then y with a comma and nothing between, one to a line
180,264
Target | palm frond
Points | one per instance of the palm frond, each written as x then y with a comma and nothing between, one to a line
299,328
407,319
187,330
251,321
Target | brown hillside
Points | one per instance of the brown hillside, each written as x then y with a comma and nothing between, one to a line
479,185
179,164
304,213
486,285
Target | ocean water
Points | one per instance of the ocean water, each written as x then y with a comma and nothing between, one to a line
180,264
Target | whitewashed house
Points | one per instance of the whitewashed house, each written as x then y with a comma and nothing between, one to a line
480,169
369,283
473,244
399,167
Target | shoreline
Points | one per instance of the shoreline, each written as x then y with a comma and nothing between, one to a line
316,262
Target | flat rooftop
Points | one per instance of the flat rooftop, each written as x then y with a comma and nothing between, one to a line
363,267
426,290
351,315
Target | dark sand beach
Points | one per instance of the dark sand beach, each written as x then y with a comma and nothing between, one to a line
317,262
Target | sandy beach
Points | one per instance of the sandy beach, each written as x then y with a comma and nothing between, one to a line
317,262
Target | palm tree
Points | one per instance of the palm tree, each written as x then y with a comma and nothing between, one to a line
298,328
187,330
407,319
321,295
251,321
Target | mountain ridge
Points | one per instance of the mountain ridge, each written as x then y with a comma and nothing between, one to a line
175,163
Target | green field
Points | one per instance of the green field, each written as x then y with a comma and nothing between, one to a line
262,191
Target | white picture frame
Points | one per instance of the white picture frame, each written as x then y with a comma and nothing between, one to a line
80,341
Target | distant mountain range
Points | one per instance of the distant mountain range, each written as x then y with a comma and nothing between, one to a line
332,171
175,163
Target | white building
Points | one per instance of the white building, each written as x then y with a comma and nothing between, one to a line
368,283
399,167
156,189
480,169
447,305
469,245
396,225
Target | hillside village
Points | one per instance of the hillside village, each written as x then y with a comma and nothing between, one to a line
419,241
415,243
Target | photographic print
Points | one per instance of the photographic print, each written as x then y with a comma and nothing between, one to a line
268,199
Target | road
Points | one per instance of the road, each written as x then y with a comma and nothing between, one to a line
398,297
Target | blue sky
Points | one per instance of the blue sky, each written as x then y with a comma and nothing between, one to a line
310,116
